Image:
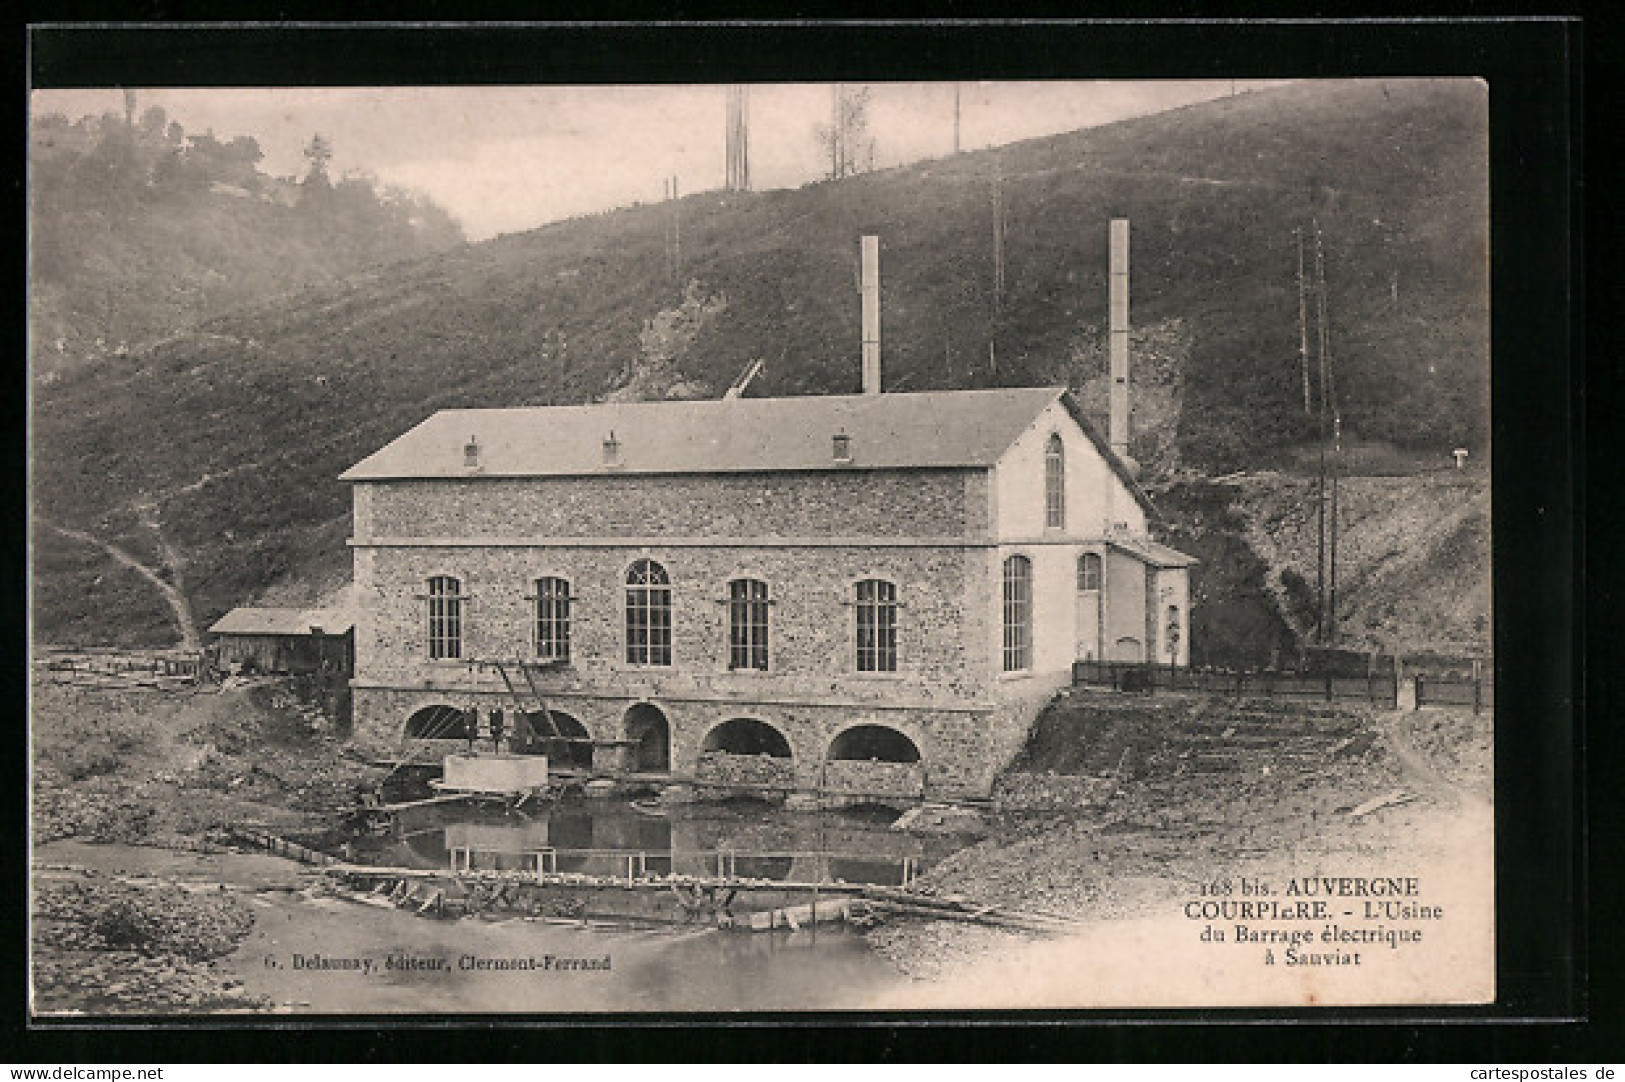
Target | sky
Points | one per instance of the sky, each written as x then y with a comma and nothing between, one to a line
506,159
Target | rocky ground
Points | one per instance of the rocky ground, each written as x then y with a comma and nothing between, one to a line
1145,848
165,768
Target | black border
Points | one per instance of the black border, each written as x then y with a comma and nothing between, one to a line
1533,71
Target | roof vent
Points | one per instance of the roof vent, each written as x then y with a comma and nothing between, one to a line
471,453
842,448
612,450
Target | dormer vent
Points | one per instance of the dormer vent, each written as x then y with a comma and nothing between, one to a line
612,450
471,453
842,448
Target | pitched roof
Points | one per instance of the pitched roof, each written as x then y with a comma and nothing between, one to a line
253,621
886,431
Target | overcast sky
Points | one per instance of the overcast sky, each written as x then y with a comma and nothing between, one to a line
504,159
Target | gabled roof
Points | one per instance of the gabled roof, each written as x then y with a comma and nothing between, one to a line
253,621
886,431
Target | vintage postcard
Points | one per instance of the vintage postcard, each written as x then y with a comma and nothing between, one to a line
760,548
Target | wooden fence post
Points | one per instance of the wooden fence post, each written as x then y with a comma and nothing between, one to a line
1420,684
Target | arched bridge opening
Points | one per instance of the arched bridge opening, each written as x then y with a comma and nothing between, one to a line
746,752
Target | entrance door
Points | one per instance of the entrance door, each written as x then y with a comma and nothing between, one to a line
1088,606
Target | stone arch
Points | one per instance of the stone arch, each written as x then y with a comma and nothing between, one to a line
871,740
747,736
753,755
574,752
436,722
648,727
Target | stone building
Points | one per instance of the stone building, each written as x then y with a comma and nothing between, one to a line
869,593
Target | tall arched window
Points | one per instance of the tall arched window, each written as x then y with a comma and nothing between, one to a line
1018,614
648,614
552,619
445,618
747,624
1089,571
877,626
1055,482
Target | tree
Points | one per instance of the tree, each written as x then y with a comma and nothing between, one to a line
318,153
846,141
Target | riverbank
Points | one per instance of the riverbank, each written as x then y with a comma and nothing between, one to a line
1134,863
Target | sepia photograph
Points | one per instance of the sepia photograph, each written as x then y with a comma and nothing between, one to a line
753,547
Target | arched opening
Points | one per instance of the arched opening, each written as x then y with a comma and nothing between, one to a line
873,742
746,736
646,726
437,723
574,751
1128,648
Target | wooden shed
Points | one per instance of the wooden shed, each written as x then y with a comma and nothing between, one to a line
287,640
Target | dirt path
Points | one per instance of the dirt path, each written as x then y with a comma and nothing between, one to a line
176,599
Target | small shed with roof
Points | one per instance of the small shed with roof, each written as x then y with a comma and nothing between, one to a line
286,640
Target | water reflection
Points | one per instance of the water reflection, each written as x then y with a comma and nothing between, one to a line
754,841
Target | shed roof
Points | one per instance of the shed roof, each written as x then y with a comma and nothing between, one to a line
1154,553
254,621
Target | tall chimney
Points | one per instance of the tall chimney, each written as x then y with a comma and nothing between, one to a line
1117,434
871,315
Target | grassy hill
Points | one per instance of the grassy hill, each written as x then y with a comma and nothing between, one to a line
228,438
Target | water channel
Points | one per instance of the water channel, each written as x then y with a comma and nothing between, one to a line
304,945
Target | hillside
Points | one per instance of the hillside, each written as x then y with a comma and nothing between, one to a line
227,439
137,231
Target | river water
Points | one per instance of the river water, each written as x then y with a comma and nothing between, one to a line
315,953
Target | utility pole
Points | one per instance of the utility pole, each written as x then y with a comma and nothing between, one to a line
998,265
1328,406
674,232
837,163
956,118
1303,325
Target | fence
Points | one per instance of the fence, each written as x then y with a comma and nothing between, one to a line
1376,687
111,668
1382,687
1474,691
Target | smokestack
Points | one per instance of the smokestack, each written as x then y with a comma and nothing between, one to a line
871,315
1117,433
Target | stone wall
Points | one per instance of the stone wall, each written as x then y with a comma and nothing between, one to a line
870,503
942,635
725,769
961,750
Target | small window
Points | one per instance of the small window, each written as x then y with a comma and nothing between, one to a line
877,626
648,614
445,618
1018,614
553,619
747,624
1089,571
1055,483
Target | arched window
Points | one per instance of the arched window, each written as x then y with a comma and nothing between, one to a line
877,626
648,614
1089,571
1055,482
552,619
1018,614
445,618
747,624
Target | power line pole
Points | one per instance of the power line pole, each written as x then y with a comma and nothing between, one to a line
956,118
